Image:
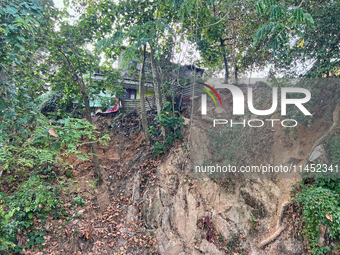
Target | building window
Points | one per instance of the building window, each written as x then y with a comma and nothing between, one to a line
130,94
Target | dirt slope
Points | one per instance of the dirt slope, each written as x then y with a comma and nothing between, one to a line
148,206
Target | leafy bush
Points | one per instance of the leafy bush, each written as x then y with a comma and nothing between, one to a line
320,205
5,231
49,102
320,202
40,148
33,198
79,201
172,124
333,148
34,238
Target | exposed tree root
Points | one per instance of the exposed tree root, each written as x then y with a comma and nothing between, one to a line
279,226
283,208
272,237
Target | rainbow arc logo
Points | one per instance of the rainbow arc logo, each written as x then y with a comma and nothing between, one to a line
204,97
213,90
238,99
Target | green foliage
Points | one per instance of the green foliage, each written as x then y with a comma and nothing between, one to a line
54,105
18,20
172,124
40,149
333,148
68,173
263,7
34,198
226,44
137,26
320,206
5,232
332,184
79,201
35,238
253,220
282,23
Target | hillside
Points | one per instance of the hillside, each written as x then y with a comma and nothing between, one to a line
156,205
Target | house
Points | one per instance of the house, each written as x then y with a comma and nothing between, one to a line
130,100
130,76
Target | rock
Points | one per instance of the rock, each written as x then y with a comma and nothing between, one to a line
322,235
319,155
288,246
223,227
137,156
251,198
168,243
136,188
175,210
132,215
293,246
152,212
209,248
207,119
219,110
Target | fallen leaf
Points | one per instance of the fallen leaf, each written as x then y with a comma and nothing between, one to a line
51,132
87,235
328,216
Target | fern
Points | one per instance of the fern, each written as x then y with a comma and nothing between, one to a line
308,20
105,43
277,12
297,14
262,32
281,24
263,6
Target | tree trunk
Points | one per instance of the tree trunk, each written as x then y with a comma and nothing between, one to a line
156,81
236,72
156,85
233,55
226,75
97,172
142,99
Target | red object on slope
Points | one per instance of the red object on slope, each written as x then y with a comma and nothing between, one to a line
114,108
209,233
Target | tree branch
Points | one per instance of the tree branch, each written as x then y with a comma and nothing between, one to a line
226,39
301,3
211,24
